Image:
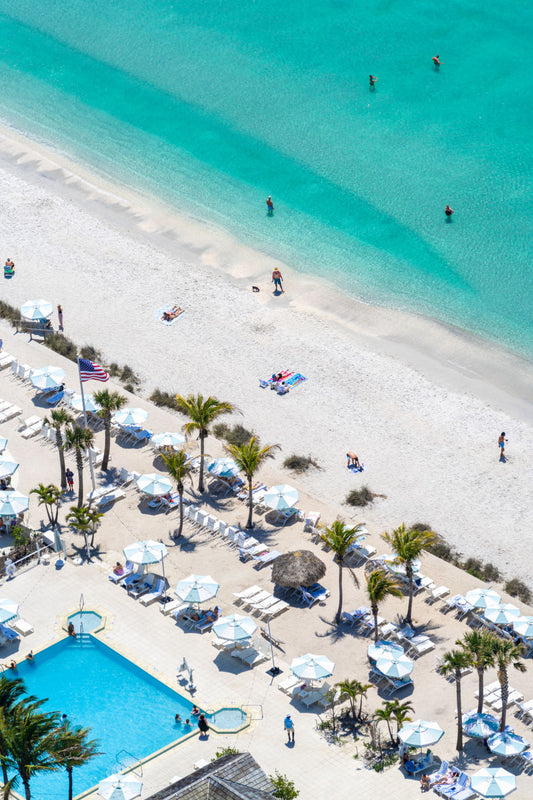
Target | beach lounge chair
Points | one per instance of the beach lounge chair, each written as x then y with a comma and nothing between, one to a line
158,592
11,411
437,594
22,627
109,498
55,398
142,587
249,602
274,610
250,656
458,786
131,580
246,594
289,684
128,570
222,644
266,558
8,633
441,772
172,606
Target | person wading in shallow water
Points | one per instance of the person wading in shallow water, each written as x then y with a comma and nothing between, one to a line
270,205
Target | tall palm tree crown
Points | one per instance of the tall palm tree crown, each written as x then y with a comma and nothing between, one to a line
78,439
479,646
57,420
74,749
50,497
507,654
81,520
201,412
339,537
249,457
11,691
179,468
453,663
110,402
379,586
408,544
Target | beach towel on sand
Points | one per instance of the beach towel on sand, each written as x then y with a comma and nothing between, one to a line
294,380
360,468
167,309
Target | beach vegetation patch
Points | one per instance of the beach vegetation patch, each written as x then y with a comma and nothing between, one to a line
90,352
125,374
300,464
226,751
361,497
164,399
236,435
283,787
517,588
62,345
9,312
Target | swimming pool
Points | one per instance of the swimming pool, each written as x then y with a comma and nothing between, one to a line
85,621
130,713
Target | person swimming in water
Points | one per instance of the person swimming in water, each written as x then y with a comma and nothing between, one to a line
436,61
373,80
448,211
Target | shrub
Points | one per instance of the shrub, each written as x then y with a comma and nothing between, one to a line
491,572
164,399
60,344
90,352
517,588
129,387
226,751
9,312
235,434
300,464
474,567
283,787
127,375
360,497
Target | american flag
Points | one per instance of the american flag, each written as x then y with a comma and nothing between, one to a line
89,371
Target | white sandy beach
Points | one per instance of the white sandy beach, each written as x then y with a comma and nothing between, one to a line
421,404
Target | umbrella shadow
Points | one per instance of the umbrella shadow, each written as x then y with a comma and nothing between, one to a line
226,663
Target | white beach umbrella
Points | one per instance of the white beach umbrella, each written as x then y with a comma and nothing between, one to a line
90,405
281,497
48,378
394,667
8,610
390,562
234,628
197,588
480,725
420,733
8,467
36,309
493,782
154,484
523,626
167,439
13,503
312,667
133,417
147,552
382,648
223,467
3,444
483,598
505,743
120,787
503,614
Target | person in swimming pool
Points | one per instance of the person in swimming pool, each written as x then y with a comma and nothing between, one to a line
195,711
436,61
448,211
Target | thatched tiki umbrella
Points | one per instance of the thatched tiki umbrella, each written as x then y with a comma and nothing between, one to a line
300,568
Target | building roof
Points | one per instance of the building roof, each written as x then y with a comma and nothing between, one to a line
236,776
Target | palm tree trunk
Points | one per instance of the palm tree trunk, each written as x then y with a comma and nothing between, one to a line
59,444
180,492
69,773
391,737
480,677
504,685
79,466
107,444
459,745
201,478
26,784
5,776
375,615
250,524
409,571
339,609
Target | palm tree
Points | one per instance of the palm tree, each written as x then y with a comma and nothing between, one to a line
94,517
49,497
385,715
74,749
80,519
452,664
349,688
178,468
78,439
110,402
339,538
57,420
408,545
479,646
201,413
507,654
249,457
32,742
11,691
379,586
400,712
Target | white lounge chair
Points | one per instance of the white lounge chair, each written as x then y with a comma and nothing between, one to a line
274,610
151,597
246,594
22,627
128,570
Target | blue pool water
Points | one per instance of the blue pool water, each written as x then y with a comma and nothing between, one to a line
214,105
85,621
129,712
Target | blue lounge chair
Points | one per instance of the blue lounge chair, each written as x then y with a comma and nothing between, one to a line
9,633
55,398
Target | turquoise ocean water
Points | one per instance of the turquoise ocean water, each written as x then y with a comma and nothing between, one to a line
212,106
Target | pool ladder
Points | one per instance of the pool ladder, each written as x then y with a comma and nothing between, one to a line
132,763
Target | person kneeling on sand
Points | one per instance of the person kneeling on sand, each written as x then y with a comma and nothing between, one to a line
353,460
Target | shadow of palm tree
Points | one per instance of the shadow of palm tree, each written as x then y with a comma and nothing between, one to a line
335,632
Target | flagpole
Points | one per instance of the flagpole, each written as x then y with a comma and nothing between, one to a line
93,481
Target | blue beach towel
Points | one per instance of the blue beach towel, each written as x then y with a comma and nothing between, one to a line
167,309
295,379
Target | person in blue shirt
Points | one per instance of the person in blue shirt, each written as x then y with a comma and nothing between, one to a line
288,724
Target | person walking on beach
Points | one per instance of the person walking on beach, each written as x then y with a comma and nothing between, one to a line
501,445
277,280
288,724
69,475
60,317
270,205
